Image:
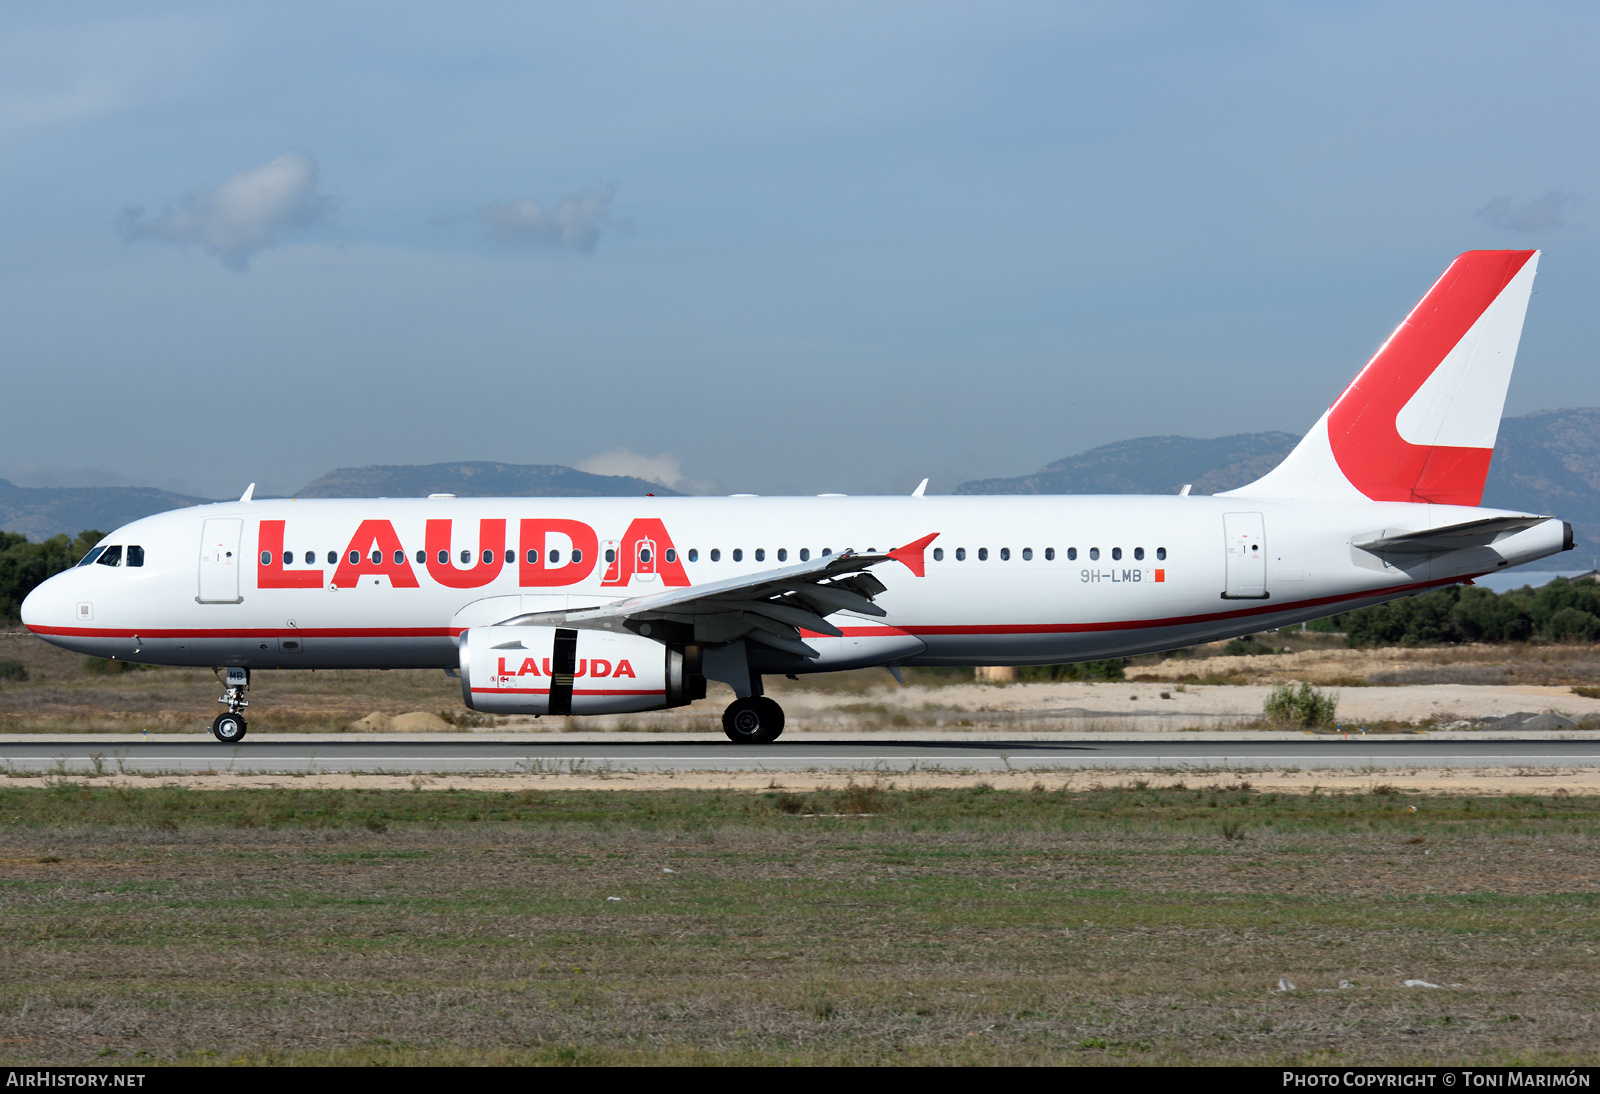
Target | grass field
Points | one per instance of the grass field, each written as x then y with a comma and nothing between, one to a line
973,926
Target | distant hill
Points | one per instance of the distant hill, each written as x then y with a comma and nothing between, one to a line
1151,465
43,511
39,512
1545,462
1549,462
477,480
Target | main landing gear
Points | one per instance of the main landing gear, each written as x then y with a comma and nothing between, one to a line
755,720
229,728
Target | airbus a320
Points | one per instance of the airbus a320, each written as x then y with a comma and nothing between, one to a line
575,606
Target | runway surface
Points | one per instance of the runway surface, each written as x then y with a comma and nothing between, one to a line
287,754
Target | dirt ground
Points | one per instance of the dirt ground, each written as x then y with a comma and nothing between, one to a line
1557,782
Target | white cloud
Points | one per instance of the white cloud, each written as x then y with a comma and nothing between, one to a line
1540,214
244,215
574,223
664,469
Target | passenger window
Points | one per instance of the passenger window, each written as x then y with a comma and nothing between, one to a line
826,551
1049,554
266,558
466,558
983,554
694,554
533,558
422,558
738,554
783,554
89,558
1138,554
1072,554
112,557
488,558
399,558
444,558
1027,554
355,558
1005,554
377,558
1116,554
1161,553
716,554
511,556
288,556
672,555
611,555
938,554
333,557
577,557
961,554
805,554
553,557
644,554
761,554
1094,553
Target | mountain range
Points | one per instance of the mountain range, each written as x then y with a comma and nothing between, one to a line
1545,462
477,480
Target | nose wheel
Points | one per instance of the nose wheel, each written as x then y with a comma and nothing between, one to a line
756,720
229,728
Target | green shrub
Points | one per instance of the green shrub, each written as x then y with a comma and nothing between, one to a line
1244,647
100,666
1111,669
1308,707
13,670
1572,625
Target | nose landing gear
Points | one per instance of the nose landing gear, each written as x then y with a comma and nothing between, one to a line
229,728
755,720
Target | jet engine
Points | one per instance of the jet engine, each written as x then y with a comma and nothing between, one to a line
560,670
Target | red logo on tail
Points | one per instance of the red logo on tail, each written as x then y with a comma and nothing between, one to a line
1361,426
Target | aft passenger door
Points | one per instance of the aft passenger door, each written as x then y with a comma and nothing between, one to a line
219,561
1247,556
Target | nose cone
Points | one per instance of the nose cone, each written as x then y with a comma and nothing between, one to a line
50,606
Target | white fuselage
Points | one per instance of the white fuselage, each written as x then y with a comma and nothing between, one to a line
1008,580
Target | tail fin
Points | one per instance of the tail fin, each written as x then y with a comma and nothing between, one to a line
1419,422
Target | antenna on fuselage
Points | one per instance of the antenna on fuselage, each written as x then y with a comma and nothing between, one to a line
249,493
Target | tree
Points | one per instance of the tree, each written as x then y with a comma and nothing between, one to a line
24,565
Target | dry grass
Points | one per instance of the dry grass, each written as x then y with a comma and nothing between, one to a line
1324,660
1132,924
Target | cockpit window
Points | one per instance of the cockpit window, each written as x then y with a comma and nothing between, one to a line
135,555
112,557
89,558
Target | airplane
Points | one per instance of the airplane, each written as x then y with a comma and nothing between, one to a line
577,606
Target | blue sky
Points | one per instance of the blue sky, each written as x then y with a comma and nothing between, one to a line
753,247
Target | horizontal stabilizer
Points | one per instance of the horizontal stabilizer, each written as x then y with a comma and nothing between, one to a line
1452,537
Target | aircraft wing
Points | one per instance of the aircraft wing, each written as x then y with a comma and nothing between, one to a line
1452,537
770,606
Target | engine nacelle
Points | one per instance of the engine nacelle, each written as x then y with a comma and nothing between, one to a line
559,670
